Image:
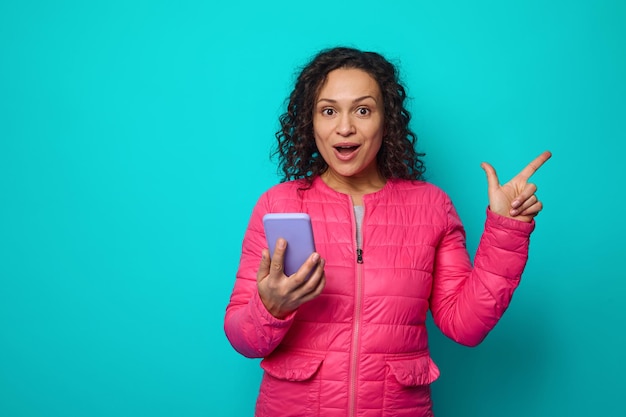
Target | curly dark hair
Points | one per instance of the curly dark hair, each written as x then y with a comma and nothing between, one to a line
297,153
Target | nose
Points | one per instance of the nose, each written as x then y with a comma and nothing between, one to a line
345,125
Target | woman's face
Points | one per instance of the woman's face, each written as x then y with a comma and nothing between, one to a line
348,124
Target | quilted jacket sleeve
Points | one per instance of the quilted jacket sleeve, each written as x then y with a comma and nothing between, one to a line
249,327
467,301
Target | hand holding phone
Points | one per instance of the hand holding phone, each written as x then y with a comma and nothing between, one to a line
282,296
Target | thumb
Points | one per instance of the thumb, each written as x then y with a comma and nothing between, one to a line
264,267
492,178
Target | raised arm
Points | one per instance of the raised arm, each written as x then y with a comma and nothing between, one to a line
467,301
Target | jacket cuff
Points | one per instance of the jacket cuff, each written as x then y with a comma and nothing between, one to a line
509,223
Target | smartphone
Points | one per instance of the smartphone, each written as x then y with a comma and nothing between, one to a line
296,229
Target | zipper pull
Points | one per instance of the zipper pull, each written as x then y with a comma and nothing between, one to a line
359,256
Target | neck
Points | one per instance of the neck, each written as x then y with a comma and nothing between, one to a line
354,186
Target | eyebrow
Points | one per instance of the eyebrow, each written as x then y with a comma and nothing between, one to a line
356,100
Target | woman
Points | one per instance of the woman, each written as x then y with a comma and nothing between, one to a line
350,340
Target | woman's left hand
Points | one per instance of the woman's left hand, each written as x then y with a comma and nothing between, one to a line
515,199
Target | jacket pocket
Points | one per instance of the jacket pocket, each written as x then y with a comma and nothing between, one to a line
291,366
290,385
407,385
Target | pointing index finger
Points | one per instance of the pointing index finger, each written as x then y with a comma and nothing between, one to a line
535,165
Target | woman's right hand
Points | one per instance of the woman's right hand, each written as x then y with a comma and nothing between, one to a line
282,294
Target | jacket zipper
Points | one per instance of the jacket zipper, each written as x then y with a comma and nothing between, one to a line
356,324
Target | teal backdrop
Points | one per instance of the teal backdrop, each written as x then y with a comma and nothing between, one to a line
135,140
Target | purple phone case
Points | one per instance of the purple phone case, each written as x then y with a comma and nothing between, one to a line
296,229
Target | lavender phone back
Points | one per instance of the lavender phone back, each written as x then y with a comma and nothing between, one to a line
296,229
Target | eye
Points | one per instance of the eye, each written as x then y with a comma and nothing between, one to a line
328,111
363,111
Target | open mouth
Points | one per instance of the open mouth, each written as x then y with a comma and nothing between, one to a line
346,149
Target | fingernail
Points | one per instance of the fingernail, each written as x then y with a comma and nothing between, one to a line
315,257
281,243
515,204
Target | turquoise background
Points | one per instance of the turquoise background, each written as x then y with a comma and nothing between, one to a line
135,139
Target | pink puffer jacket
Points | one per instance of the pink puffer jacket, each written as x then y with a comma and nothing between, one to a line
360,348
